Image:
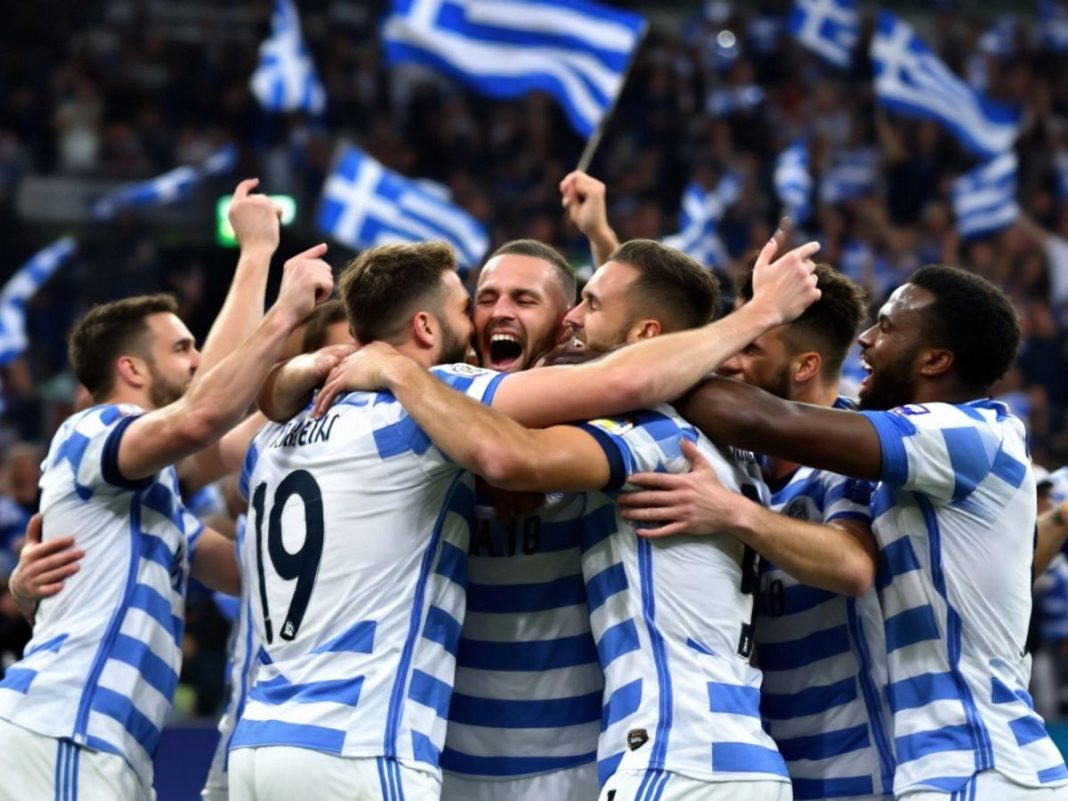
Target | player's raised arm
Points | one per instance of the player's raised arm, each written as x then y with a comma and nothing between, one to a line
290,384
733,413
218,401
583,197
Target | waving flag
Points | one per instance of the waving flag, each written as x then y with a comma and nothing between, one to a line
793,183
852,175
575,50
1053,23
913,81
166,188
365,204
829,28
285,79
18,291
984,200
700,213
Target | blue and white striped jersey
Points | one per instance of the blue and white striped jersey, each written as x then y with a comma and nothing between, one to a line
104,660
672,619
527,698
954,518
824,660
242,648
358,530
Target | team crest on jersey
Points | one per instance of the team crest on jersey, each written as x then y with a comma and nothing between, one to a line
911,410
616,427
466,369
799,509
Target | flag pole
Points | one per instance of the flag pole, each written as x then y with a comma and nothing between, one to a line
594,141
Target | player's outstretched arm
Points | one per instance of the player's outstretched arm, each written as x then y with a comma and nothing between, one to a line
583,197
215,563
221,398
839,557
661,369
42,568
733,413
1052,534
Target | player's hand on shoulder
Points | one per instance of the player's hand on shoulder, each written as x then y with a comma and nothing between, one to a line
43,566
363,370
307,281
784,288
255,218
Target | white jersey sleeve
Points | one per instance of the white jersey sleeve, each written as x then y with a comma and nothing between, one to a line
941,450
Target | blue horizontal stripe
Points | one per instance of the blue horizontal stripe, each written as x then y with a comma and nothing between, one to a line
279,691
52,645
820,789
798,653
800,598
1008,469
359,639
560,536
968,457
424,750
733,699
920,690
623,702
1001,694
442,628
431,692
597,525
824,745
620,639
161,500
1027,730
747,758
910,627
457,762
605,584
257,733
810,487
120,708
453,564
18,679
158,608
536,655
607,767
505,599
154,670
400,437
882,501
156,550
895,559
810,701
549,713
921,744
1056,773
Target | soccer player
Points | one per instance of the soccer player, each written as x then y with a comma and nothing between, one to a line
820,650
954,518
82,711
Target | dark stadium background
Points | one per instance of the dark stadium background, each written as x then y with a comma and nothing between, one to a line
96,93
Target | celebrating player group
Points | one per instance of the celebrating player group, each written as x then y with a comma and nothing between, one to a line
637,553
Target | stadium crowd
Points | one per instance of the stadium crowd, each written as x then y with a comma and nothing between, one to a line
113,91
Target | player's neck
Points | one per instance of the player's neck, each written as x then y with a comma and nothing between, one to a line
948,391
131,395
424,357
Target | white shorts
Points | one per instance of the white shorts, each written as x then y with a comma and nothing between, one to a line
991,786
33,766
280,773
661,785
573,784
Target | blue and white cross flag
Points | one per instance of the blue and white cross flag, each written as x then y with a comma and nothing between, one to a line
699,215
913,81
830,28
166,188
365,204
984,200
575,50
285,79
793,182
853,174
20,288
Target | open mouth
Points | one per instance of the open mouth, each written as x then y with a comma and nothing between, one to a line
867,379
505,351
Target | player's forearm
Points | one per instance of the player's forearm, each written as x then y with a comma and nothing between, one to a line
27,606
286,390
220,458
215,563
1052,534
603,242
817,554
242,310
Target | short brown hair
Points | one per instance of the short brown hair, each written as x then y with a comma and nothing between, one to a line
565,276
671,286
319,322
830,325
109,331
384,286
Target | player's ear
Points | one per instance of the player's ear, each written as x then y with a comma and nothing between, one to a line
131,371
807,366
645,329
935,361
424,329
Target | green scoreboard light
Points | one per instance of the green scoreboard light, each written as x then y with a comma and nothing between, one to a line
224,232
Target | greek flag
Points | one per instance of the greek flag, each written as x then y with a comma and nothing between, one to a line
913,81
852,175
285,79
701,211
1053,23
575,50
365,204
166,188
984,200
830,28
793,183
18,291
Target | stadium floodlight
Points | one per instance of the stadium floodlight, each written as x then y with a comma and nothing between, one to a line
224,232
